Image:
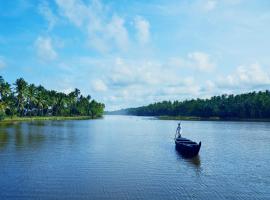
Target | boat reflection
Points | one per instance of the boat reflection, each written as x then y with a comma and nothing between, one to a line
196,161
193,161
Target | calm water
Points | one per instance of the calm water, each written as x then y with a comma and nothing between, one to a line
122,157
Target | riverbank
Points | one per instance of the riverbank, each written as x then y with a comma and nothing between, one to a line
192,118
52,118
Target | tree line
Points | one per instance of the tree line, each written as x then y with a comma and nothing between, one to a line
22,99
248,105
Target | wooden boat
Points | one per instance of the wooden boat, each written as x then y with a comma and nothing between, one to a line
187,147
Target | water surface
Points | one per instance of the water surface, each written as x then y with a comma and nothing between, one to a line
124,157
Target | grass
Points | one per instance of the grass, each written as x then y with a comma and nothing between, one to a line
37,118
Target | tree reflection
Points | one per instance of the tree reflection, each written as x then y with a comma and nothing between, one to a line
3,139
21,135
34,134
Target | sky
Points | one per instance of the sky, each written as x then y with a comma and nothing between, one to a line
130,53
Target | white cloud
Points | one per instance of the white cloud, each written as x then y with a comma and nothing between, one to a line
209,5
74,10
2,63
129,72
118,32
45,49
47,13
177,62
210,86
185,87
146,81
196,60
134,82
142,26
105,31
168,73
201,61
252,76
99,86
125,82
122,73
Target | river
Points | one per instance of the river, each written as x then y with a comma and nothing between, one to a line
128,157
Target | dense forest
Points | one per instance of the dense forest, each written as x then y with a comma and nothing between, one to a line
22,99
254,105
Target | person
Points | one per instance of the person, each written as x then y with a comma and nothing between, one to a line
178,130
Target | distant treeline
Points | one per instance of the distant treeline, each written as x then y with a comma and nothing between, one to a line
250,105
23,99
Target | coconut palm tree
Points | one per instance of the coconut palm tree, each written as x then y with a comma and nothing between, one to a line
24,99
5,89
72,98
5,92
41,100
31,98
21,91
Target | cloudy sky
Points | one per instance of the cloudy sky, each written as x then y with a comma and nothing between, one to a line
130,53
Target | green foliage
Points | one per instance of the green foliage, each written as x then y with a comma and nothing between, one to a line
96,109
30,100
249,105
2,115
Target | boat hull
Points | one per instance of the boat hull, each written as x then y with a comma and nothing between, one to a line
187,147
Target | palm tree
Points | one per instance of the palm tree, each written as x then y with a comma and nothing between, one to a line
31,98
25,99
52,101
72,97
5,89
59,103
77,92
11,102
5,92
21,91
41,99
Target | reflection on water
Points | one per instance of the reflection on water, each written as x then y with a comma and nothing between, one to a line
19,136
33,134
3,139
194,162
133,158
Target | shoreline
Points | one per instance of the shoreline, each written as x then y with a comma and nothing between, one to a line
47,118
192,118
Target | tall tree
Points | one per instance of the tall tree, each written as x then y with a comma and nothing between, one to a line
21,91
31,98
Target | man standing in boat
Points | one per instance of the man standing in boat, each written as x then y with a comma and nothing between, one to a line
178,130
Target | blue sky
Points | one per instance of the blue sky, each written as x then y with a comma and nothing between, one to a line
131,53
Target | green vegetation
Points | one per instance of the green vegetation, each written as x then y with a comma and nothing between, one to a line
254,105
188,118
42,118
26,101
